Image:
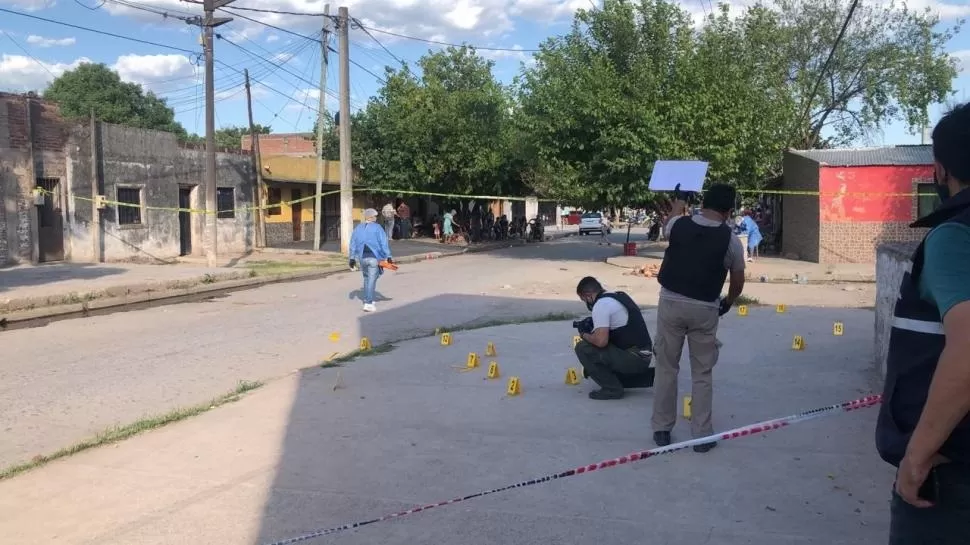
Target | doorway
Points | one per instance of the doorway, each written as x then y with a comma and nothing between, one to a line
185,221
297,208
50,223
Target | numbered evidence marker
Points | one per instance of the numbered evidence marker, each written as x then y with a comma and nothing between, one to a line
743,310
335,336
493,370
780,309
576,340
572,378
514,387
472,361
687,401
446,339
838,329
364,344
490,350
798,343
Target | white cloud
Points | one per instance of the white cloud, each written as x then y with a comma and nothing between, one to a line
282,57
272,38
41,41
20,73
963,60
156,72
30,5
515,53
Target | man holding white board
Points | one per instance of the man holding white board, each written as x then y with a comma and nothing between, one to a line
702,250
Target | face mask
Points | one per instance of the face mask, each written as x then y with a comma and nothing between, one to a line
943,190
589,306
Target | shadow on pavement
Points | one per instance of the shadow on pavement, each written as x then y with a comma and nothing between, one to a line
34,275
411,427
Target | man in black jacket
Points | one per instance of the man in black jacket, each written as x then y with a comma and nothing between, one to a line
615,346
702,250
924,422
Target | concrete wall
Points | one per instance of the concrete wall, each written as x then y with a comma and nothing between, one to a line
800,213
892,261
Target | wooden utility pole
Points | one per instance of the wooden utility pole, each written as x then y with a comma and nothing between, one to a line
258,168
95,192
322,165
346,165
208,23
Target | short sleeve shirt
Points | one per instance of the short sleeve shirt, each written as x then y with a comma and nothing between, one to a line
609,313
945,280
733,259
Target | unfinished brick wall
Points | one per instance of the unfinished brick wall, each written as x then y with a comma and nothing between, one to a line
282,144
856,242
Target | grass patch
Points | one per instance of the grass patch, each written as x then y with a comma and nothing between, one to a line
269,268
119,433
471,326
348,357
746,300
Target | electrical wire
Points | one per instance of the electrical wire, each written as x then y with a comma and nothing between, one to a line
268,25
447,44
22,48
362,27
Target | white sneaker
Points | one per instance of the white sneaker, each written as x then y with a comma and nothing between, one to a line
369,307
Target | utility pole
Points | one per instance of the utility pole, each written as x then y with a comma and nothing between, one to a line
258,168
321,111
208,23
346,166
95,191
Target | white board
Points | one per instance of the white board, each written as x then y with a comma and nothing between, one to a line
689,174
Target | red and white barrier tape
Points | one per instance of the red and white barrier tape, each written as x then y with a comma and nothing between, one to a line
761,427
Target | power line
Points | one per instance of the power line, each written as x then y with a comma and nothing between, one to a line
22,48
362,27
164,14
96,31
436,42
274,27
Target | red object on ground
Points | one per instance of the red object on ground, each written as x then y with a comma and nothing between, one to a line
630,248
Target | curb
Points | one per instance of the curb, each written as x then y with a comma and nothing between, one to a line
162,295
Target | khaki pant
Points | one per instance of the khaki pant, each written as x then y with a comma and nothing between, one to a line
698,323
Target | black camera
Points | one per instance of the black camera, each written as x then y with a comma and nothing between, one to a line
585,325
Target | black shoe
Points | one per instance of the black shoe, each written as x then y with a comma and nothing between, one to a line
661,438
705,447
602,394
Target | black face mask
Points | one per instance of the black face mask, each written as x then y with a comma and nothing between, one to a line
943,190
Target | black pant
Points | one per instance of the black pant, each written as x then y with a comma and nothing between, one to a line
947,522
614,368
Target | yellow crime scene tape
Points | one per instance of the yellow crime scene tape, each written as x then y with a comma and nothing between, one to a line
382,190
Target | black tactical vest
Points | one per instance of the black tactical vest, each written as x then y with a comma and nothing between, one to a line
693,264
634,334
915,345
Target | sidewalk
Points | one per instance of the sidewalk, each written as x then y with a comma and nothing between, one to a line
324,447
772,269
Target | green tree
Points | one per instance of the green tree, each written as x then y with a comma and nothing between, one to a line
331,137
97,88
231,137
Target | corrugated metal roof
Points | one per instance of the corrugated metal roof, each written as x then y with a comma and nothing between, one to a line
887,156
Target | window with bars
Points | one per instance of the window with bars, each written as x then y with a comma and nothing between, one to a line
226,203
129,209
926,199
274,198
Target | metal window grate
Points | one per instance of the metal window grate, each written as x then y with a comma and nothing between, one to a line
129,215
274,199
226,203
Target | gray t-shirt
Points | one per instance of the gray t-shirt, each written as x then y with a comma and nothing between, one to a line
733,258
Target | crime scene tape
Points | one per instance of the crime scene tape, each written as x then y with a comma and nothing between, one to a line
761,427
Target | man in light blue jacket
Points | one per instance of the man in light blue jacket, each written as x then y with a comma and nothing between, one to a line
368,245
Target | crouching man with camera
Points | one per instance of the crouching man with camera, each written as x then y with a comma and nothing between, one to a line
616,348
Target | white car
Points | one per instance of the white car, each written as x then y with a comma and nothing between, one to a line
592,222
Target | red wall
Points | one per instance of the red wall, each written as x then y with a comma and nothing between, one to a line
840,187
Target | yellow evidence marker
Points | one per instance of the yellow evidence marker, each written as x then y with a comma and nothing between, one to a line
798,343
743,310
514,388
572,378
493,370
576,340
780,309
364,344
472,361
490,350
838,329
446,339
687,401
335,336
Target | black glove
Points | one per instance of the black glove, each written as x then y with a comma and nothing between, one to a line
353,264
584,326
725,307
686,196
389,260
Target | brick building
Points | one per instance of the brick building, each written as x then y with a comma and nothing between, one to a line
293,144
865,197
144,176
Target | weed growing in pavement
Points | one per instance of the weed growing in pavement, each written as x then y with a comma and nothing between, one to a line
120,433
746,300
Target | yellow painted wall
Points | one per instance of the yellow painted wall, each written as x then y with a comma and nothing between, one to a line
286,211
298,169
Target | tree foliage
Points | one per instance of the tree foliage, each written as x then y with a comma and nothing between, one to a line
97,88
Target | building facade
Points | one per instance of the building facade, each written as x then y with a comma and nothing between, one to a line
856,199
53,174
291,144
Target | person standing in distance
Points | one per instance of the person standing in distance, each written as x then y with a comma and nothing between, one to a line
389,215
924,422
702,250
368,245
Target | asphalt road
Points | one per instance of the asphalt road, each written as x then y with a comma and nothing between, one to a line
67,381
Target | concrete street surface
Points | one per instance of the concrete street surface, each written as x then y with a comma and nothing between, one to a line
70,380
324,447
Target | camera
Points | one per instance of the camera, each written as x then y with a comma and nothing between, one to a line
585,325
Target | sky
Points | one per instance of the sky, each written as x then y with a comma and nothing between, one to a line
285,67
